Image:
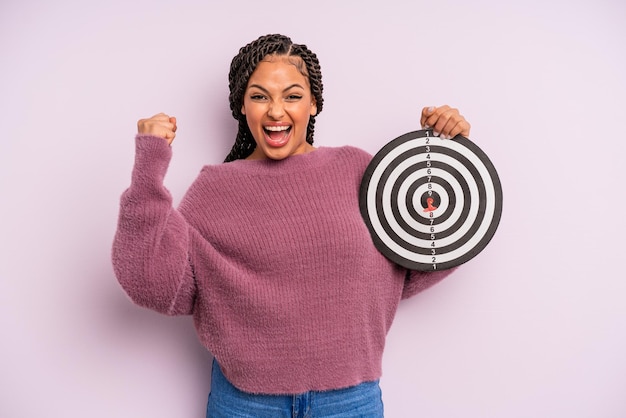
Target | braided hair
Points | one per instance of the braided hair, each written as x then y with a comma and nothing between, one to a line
242,67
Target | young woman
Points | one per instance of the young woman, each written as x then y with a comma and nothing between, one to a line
268,251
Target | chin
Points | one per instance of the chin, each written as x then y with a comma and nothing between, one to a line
278,154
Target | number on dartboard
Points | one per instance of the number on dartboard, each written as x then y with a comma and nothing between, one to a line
429,172
433,250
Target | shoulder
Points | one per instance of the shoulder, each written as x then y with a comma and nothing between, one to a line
212,183
350,150
349,153
234,174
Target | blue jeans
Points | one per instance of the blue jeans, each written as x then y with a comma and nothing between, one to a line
226,401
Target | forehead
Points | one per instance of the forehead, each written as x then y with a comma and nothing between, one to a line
280,68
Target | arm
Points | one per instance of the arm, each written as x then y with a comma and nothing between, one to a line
151,246
418,281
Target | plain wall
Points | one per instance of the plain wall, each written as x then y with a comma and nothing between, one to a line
534,326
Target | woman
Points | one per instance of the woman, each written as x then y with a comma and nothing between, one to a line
268,251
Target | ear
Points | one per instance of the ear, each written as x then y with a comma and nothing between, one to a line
243,109
313,111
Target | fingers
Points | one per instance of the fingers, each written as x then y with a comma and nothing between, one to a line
161,125
446,122
426,115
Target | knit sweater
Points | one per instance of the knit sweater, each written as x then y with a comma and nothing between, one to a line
274,262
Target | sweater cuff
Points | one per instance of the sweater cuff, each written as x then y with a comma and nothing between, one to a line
152,158
152,145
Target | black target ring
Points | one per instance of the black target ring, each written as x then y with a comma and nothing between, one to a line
415,211
431,204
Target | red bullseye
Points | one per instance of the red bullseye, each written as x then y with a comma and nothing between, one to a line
430,207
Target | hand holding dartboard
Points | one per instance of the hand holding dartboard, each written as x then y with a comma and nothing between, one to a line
431,203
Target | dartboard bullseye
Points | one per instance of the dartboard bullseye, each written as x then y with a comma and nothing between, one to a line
429,203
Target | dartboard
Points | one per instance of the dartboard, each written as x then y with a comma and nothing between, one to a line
431,203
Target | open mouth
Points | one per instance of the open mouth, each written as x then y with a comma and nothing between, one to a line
277,136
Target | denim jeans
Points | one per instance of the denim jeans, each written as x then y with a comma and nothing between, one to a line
226,401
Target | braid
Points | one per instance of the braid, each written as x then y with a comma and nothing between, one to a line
242,67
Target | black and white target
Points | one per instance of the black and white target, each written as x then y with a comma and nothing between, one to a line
431,203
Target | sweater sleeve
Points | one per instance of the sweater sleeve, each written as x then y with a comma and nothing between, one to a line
418,281
150,251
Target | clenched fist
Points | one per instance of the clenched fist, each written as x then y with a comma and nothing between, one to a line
158,125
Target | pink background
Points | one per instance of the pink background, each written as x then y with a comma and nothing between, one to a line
535,326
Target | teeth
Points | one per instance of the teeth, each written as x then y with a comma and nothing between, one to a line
277,128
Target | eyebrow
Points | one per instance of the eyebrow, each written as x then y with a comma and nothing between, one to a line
266,91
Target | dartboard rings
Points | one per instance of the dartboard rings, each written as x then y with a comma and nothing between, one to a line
429,203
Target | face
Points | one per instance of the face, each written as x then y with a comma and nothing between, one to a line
278,104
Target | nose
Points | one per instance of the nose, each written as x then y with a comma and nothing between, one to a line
275,110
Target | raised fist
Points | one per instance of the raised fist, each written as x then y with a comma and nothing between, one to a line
158,125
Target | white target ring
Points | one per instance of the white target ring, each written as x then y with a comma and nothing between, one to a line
421,190
429,203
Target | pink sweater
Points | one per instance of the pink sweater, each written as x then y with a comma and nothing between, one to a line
273,260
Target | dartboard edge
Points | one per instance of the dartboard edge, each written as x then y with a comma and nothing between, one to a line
460,185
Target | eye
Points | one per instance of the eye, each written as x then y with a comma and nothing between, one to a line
294,97
257,97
